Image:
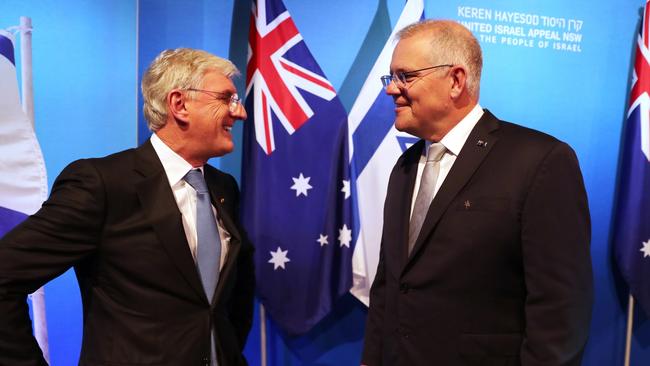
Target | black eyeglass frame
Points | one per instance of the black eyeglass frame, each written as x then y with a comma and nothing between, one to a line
400,77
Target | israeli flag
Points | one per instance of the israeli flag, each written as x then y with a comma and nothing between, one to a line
23,181
375,145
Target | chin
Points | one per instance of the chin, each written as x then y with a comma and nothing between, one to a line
226,149
405,126
401,125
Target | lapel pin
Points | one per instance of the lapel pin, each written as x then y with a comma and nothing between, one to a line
222,200
467,204
481,143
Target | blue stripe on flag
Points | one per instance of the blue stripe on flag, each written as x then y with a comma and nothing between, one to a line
9,219
7,49
372,130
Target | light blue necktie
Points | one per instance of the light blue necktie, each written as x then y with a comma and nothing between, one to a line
208,252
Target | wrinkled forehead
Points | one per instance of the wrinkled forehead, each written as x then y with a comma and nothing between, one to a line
215,80
411,53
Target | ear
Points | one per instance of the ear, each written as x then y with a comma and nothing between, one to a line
176,104
459,81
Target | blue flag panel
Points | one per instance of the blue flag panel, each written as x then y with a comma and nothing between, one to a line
632,216
296,204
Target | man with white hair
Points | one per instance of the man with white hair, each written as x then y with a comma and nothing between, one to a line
164,267
485,247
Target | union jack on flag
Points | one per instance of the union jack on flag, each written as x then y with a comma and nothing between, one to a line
275,79
296,188
632,215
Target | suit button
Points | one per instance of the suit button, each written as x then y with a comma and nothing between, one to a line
402,333
403,288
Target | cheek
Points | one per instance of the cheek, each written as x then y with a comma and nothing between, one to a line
218,114
426,105
418,108
214,119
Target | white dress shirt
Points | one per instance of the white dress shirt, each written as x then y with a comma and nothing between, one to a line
175,168
453,141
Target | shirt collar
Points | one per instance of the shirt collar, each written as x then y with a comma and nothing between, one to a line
175,166
456,137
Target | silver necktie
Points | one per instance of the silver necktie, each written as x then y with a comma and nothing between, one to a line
425,192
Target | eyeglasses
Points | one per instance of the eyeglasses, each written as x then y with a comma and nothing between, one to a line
402,78
233,99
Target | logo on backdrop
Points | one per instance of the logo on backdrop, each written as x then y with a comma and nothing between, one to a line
519,29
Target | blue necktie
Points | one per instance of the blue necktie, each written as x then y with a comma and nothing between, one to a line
208,253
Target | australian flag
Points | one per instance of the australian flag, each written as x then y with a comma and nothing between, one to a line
632,216
295,175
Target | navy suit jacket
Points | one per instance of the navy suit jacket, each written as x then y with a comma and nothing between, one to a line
116,221
501,271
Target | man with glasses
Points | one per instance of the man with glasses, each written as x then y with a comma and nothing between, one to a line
485,247
164,267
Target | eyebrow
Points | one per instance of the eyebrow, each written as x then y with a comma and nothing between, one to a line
399,69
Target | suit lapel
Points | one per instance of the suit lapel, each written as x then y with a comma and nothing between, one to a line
408,174
160,206
478,145
224,203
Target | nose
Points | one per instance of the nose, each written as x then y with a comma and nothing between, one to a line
239,112
392,89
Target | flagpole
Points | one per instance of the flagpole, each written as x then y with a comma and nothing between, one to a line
628,335
26,67
262,335
38,297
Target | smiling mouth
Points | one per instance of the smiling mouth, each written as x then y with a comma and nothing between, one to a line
400,106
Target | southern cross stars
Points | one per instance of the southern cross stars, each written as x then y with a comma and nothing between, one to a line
279,258
345,236
346,188
322,240
646,248
301,185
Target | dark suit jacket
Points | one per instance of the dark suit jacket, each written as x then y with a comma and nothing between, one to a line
500,273
116,221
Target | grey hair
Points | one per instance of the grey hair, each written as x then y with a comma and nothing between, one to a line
451,43
182,68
